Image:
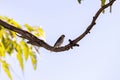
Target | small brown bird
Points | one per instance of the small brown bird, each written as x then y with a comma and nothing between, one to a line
59,41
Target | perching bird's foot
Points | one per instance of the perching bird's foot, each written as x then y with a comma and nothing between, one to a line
72,44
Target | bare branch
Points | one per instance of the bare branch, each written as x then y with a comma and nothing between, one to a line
38,42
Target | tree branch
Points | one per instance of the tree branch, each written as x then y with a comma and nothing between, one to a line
38,42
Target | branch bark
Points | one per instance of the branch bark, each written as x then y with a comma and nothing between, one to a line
38,42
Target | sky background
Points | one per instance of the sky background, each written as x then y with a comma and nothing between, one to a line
97,58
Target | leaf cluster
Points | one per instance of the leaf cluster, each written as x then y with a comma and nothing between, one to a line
103,2
11,44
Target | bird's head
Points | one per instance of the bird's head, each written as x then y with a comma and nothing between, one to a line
63,35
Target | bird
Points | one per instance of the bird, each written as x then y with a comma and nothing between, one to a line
59,41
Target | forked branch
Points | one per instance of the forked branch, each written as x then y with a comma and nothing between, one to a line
38,42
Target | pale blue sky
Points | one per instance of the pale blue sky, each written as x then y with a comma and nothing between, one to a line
97,58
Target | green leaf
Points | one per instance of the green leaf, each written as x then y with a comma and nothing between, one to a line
18,48
10,49
25,49
5,67
10,21
79,1
12,34
39,32
20,59
103,3
19,56
8,44
2,50
29,28
33,59
1,27
15,44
